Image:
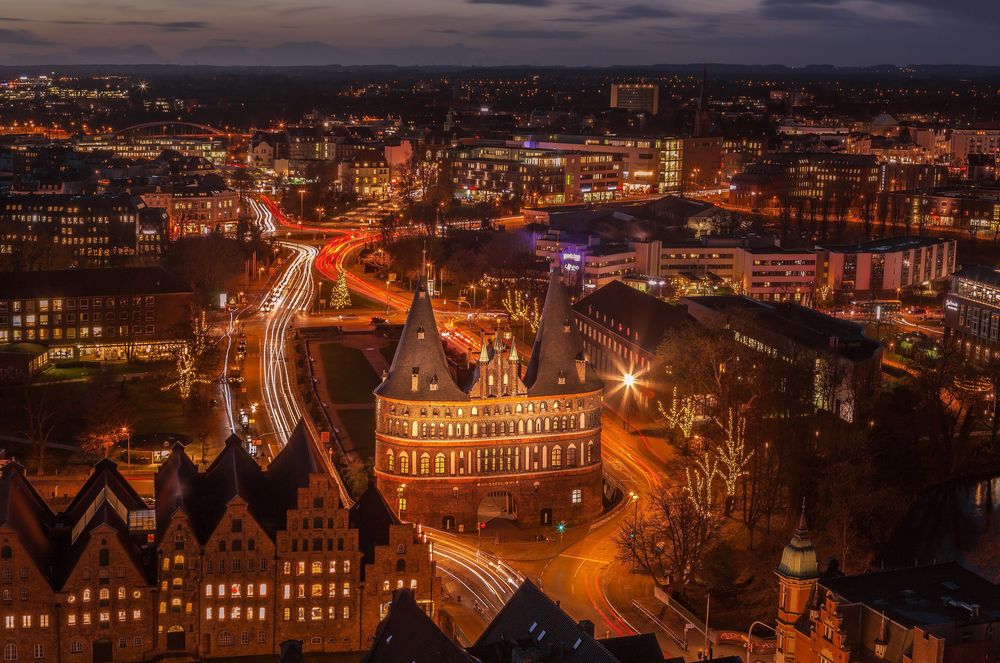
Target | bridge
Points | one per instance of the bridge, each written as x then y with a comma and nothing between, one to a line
173,128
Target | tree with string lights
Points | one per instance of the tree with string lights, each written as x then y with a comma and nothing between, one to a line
733,456
340,298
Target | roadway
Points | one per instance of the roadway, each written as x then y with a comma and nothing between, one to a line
582,575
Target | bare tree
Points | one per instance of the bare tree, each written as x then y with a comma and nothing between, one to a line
669,540
40,420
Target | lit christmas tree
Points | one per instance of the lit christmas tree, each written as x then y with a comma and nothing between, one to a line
341,296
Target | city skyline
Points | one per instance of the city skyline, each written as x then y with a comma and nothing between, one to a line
500,32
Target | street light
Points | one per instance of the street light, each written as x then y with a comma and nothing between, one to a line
750,636
628,380
635,526
128,449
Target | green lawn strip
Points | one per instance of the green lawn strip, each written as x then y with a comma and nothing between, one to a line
360,426
349,376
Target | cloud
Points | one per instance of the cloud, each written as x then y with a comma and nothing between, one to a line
444,31
518,3
631,12
21,38
531,34
169,26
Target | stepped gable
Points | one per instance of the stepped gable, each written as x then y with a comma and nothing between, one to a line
407,635
291,468
557,365
532,619
23,511
419,370
105,475
373,519
232,474
174,485
105,516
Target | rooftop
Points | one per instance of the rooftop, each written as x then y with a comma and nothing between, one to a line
648,318
91,283
980,274
887,245
922,595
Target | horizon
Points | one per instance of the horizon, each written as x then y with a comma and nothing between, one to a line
490,33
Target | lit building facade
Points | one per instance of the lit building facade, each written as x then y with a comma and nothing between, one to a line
639,97
507,444
195,209
972,312
921,614
96,314
887,266
100,230
535,175
231,562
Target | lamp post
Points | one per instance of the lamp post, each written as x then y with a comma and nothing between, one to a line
628,380
750,635
128,448
635,526
302,199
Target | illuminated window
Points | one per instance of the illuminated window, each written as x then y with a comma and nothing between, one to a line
317,568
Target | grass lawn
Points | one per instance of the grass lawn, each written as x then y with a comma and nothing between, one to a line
349,376
360,425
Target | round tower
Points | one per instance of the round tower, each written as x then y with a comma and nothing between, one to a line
797,575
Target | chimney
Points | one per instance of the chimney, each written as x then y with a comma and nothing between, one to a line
586,626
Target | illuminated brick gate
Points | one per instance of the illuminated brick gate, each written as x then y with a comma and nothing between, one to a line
517,447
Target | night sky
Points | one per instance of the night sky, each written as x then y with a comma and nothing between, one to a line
499,32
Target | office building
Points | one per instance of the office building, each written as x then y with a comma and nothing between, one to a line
972,312
98,230
637,97
886,267
843,363
96,314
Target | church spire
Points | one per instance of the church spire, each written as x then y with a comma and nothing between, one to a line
419,369
558,350
798,559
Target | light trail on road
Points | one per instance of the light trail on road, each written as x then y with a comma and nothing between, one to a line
291,294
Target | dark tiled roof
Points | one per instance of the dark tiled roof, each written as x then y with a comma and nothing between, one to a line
533,620
645,315
291,468
420,350
801,325
91,283
921,595
407,635
24,511
233,474
373,519
174,485
980,274
642,648
71,551
557,348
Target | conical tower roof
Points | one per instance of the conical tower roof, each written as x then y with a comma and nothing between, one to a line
798,559
419,370
552,369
